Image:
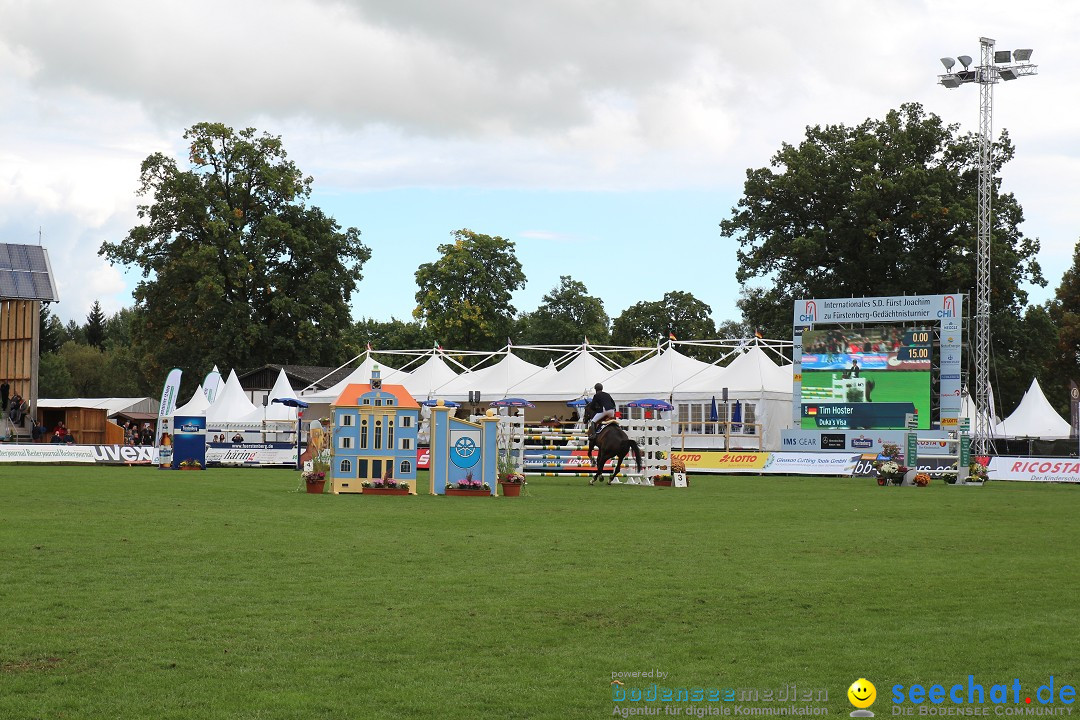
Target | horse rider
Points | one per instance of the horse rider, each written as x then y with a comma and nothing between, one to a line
603,406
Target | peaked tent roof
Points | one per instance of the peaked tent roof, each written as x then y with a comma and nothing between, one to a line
574,380
751,373
361,375
493,381
1034,417
232,404
426,380
197,405
658,376
282,389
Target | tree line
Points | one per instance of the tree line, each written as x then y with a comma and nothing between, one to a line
238,270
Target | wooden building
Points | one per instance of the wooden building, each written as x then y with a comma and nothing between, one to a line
25,282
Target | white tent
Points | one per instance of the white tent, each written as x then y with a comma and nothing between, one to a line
282,389
752,377
360,376
574,380
197,405
659,376
1034,417
426,380
493,382
232,405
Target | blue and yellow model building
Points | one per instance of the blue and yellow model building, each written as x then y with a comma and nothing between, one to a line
374,434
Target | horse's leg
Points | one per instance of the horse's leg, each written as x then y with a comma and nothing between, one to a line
618,464
599,467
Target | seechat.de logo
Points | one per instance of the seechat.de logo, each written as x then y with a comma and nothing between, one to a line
862,695
948,307
809,312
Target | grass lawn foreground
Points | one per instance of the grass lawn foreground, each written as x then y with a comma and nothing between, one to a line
128,592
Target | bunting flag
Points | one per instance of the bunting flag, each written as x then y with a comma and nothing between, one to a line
369,347
670,335
1074,408
211,385
163,433
758,335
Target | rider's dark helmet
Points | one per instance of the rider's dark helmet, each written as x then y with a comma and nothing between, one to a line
598,387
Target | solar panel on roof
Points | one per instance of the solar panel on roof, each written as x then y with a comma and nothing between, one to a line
24,273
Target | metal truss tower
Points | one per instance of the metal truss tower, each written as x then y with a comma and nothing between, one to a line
993,66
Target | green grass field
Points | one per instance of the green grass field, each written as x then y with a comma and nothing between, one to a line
136,593
889,386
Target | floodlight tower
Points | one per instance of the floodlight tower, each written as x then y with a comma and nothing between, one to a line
993,66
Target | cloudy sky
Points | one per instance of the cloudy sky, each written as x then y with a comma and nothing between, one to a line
606,138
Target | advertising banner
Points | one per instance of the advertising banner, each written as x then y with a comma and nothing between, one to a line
254,454
720,461
271,453
163,435
1035,469
47,453
790,463
864,467
189,439
211,385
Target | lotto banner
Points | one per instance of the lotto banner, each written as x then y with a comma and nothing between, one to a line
720,461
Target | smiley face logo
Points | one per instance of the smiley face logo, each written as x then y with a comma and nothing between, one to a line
862,693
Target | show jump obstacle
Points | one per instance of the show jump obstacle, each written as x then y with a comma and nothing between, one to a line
462,450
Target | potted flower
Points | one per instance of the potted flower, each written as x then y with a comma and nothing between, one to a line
315,481
511,483
509,478
922,479
977,473
190,464
661,480
889,470
678,467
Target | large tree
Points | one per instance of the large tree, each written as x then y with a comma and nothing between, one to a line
464,296
887,207
679,314
393,334
566,315
1063,360
237,269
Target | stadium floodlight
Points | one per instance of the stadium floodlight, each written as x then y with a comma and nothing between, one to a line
994,66
948,63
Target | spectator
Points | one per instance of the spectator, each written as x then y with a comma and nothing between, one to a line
18,409
60,433
238,438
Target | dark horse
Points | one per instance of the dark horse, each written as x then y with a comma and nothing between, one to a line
612,443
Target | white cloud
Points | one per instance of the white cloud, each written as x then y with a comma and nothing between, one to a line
564,95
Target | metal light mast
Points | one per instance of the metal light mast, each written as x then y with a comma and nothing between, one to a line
993,66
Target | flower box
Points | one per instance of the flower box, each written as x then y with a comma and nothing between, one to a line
384,491
459,491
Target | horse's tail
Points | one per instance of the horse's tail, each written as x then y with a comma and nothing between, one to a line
637,454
